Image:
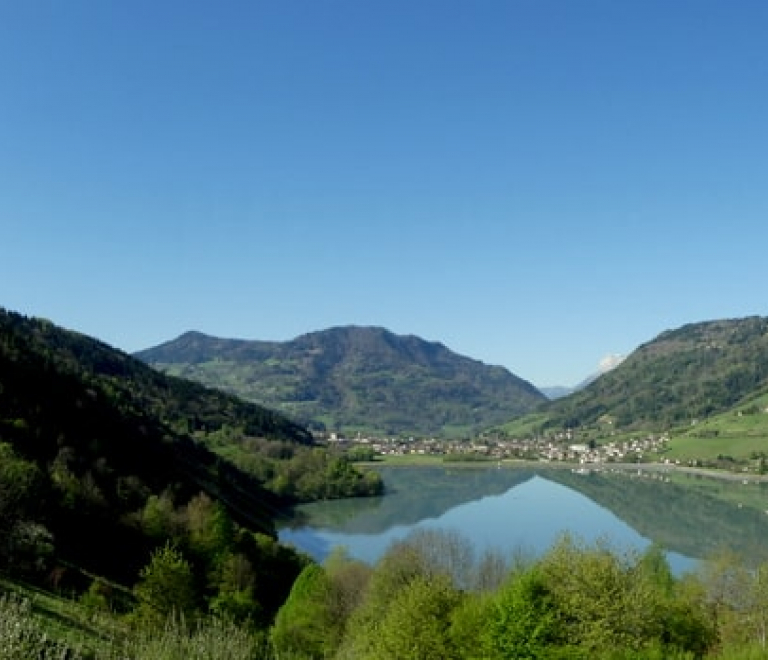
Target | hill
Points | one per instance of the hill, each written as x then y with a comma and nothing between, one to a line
353,379
680,378
103,459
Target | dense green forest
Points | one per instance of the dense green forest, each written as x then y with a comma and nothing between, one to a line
355,379
107,465
682,377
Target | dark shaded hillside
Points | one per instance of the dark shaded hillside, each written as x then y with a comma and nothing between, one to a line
354,378
681,376
101,458
106,432
39,346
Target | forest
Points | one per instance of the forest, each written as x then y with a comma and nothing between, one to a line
107,466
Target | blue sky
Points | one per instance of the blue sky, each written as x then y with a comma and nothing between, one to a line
534,183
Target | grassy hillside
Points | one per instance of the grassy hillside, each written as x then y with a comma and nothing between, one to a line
681,379
740,433
355,379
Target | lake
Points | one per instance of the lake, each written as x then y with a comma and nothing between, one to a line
526,510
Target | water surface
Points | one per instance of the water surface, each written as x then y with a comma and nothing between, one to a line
526,510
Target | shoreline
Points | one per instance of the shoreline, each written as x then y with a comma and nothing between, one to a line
437,461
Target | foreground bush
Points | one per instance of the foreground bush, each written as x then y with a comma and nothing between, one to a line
423,600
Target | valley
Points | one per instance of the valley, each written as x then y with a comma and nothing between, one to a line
116,477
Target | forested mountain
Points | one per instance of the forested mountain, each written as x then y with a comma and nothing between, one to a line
354,379
680,377
103,459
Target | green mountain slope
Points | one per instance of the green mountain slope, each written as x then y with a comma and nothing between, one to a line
680,378
354,379
103,459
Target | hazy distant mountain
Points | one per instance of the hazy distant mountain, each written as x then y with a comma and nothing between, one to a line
557,391
353,379
683,375
608,363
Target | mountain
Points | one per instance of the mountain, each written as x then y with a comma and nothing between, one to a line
352,379
606,364
557,391
681,376
103,459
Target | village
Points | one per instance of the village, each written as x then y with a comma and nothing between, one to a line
557,448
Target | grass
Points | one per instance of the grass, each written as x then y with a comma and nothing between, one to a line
41,625
525,427
212,639
740,433
23,636
710,449
63,619
409,459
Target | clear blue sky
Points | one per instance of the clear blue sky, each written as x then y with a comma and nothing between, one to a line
535,183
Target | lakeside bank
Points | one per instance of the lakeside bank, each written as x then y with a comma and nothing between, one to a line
420,460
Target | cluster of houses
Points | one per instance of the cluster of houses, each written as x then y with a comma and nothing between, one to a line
628,451
559,448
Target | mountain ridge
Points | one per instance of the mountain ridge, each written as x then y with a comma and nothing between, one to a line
356,378
681,376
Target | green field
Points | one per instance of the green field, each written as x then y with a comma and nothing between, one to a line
409,459
741,434
527,426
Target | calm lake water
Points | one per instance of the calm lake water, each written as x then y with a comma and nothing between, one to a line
514,510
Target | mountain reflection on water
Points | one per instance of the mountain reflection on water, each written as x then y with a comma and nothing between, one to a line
514,510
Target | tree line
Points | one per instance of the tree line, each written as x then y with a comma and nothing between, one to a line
428,597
